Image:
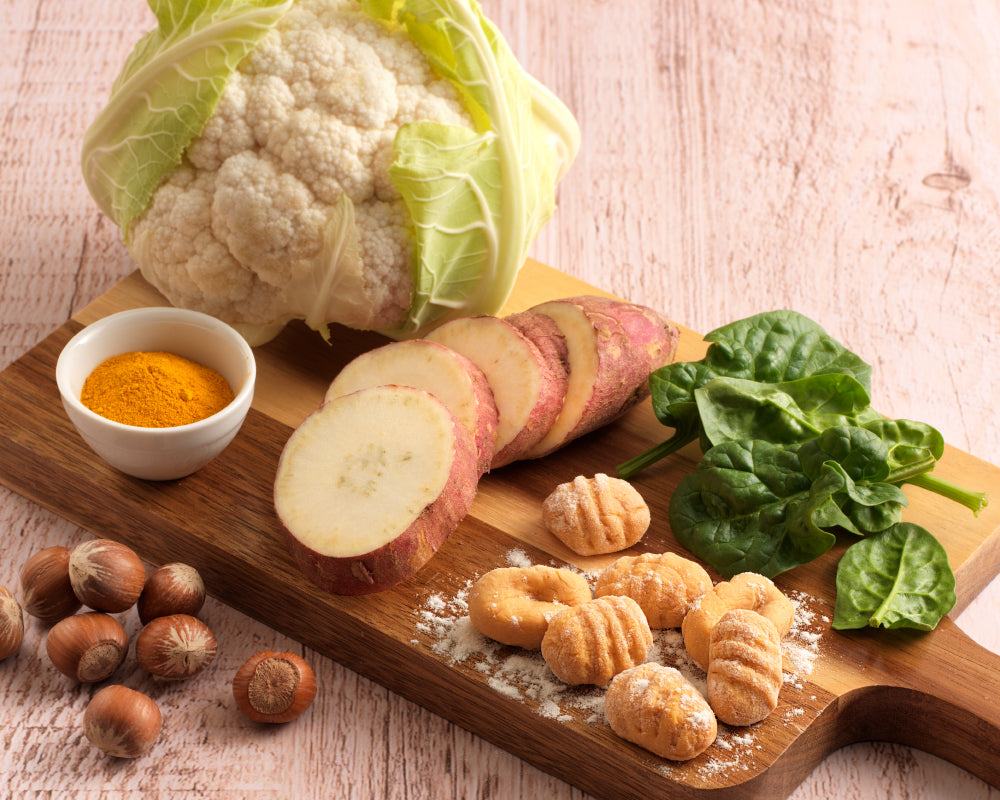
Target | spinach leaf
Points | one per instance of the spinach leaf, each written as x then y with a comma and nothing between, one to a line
783,413
782,346
772,347
914,449
871,501
899,578
756,506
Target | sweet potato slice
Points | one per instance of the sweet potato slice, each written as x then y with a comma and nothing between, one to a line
371,484
612,347
439,370
528,388
651,335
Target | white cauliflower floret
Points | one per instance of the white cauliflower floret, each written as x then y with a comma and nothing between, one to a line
253,227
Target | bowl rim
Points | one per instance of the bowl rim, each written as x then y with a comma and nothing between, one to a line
241,399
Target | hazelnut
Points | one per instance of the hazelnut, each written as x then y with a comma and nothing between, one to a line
106,575
11,624
176,646
171,589
274,687
46,590
122,722
87,647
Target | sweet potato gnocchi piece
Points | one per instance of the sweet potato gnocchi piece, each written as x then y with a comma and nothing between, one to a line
665,585
749,591
744,667
594,641
513,605
654,707
596,515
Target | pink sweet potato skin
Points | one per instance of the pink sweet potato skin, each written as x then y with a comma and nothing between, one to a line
545,334
488,415
631,342
650,334
553,380
394,562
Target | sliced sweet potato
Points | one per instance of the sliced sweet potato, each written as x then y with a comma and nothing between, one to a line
528,388
612,347
439,370
546,335
371,484
651,335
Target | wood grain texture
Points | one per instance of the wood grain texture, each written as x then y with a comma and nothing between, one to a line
835,157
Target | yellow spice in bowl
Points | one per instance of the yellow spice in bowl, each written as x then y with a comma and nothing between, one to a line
155,390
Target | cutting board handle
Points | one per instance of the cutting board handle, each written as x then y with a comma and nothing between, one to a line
939,692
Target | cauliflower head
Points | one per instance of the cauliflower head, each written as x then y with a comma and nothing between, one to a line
350,169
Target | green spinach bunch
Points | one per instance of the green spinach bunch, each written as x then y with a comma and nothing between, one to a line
793,451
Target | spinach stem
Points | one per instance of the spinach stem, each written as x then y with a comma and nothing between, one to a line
635,465
974,501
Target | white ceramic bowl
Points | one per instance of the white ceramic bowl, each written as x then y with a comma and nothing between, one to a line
158,453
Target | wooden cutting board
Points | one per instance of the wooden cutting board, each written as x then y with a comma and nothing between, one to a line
937,691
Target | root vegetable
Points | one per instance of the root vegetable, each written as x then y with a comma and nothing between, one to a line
448,375
651,335
546,335
612,347
528,388
371,484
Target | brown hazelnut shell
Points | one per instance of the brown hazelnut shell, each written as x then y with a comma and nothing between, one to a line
11,624
106,575
122,722
173,588
87,647
46,591
274,686
175,647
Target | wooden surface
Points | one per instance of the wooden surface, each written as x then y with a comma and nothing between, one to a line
221,520
838,158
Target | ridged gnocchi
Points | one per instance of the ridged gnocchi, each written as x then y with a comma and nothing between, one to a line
655,707
598,515
594,641
744,667
665,585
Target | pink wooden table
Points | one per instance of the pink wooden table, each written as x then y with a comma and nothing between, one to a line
840,157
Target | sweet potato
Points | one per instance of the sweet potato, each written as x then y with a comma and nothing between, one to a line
371,484
528,388
650,334
612,346
546,335
439,370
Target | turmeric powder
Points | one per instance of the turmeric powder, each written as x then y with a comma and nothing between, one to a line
154,390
